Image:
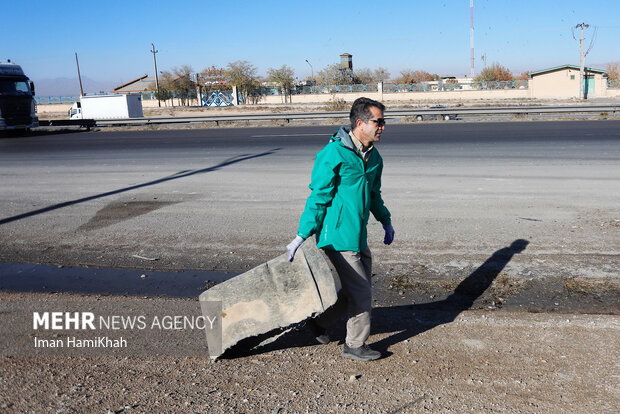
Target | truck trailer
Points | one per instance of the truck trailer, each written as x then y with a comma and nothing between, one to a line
17,105
101,107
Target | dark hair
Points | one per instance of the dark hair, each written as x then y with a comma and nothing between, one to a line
361,110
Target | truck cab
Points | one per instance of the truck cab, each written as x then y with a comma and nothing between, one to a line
76,111
17,105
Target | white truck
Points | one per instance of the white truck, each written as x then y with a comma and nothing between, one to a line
107,107
17,106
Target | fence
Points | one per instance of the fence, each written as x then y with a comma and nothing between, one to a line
147,96
54,100
613,83
454,86
391,88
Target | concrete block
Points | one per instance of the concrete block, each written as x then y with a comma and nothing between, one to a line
274,295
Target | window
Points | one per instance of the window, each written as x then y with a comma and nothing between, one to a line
8,87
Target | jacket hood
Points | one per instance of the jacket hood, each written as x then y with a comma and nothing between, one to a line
343,136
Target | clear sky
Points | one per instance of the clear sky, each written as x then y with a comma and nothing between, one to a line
113,38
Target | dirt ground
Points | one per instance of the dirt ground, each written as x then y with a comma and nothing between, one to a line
435,360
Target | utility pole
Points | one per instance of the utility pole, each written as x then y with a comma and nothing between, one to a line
581,60
153,51
198,89
79,76
312,71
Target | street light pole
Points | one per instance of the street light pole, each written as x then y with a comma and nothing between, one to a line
153,51
312,70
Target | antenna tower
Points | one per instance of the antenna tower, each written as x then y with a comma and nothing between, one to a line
472,72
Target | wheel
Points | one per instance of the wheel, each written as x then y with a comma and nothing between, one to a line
419,118
446,117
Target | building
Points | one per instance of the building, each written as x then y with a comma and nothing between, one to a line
346,61
563,82
141,84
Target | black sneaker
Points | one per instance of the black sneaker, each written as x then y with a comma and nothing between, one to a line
363,353
319,333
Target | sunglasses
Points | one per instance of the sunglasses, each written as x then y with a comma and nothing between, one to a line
380,122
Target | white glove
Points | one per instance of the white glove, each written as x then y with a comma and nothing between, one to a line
293,246
389,234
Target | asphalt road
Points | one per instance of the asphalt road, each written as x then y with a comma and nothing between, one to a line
512,215
230,199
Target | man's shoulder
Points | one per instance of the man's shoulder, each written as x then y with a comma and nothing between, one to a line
334,145
375,155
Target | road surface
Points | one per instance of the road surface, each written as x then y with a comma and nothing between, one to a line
227,200
491,219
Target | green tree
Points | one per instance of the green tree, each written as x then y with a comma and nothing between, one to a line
242,74
166,87
184,86
163,94
177,83
495,72
284,77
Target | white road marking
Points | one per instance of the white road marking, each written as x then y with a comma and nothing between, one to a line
288,135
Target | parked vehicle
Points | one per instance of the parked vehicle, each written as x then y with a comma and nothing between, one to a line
435,112
17,105
107,107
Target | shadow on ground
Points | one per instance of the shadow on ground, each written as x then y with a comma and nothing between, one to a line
180,174
402,322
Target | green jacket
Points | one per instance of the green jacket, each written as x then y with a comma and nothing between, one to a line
345,189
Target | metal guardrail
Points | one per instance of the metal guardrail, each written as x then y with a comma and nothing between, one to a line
525,110
397,113
83,123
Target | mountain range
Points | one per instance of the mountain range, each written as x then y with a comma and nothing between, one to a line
70,86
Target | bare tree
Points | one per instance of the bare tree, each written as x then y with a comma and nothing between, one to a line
214,78
381,74
334,75
366,76
524,75
415,76
613,71
284,77
495,72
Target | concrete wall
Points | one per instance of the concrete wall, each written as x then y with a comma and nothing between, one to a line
613,93
406,96
600,86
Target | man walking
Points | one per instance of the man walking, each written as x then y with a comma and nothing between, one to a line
346,188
